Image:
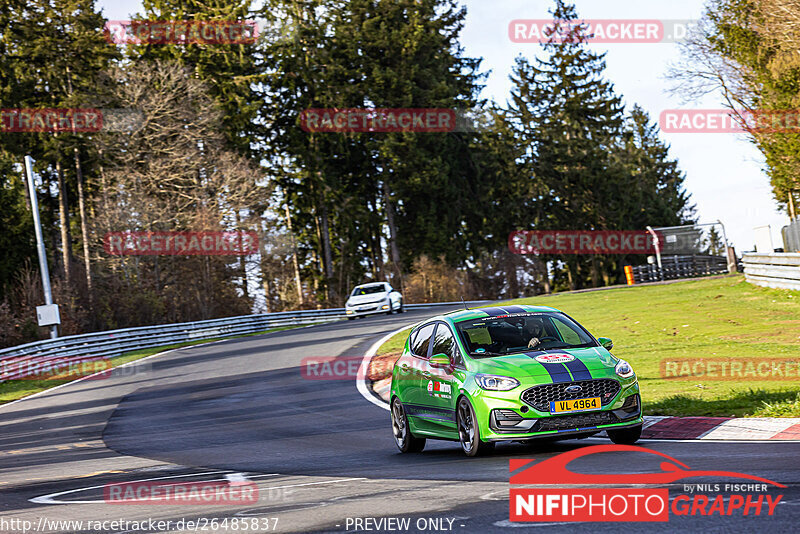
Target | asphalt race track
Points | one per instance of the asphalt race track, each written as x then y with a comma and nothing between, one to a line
321,454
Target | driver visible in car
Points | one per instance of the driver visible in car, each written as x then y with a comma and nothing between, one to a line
534,331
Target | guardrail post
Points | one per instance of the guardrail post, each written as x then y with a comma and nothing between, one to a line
629,275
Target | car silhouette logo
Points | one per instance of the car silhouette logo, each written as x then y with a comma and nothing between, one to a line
573,389
554,470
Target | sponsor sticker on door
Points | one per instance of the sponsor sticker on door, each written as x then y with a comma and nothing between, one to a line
439,389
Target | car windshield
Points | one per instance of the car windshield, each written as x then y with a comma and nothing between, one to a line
368,290
496,336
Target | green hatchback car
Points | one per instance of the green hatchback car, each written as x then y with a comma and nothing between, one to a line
510,373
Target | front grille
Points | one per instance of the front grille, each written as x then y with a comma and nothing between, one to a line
540,397
573,422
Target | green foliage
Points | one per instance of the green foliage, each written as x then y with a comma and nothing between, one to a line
16,237
562,155
757,41
365,54
716,318
589,166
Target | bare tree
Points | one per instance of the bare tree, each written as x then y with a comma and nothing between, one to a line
172,171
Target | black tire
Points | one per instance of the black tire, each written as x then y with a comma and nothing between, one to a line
400,309
469,432
351,318
403,437
625,436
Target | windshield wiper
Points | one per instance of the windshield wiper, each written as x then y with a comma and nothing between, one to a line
488,353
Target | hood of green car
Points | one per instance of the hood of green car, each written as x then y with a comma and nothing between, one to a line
521,365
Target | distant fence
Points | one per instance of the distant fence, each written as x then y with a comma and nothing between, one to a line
16,362
791,236
675,267
778,270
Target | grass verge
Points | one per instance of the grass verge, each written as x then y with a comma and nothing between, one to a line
714,318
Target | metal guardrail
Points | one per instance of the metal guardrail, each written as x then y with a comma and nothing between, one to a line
777,270
675,267
31,358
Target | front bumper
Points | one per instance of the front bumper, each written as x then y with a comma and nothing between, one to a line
504,416
367,309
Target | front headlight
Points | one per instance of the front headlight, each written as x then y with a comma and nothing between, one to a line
496,383
623,369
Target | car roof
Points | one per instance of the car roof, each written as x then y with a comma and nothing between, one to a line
497,311
370,284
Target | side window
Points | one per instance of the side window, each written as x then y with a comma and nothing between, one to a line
568,335
445,343
421,341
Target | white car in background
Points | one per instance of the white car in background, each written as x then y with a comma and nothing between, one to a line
377,297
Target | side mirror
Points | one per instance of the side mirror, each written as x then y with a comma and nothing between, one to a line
606,343
440,361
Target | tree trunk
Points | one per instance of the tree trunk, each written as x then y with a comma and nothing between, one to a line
511,274
595,272
52,232
63,212
570,275
327,253
340,289
545,276
242,263
295,263
84,225
390,220
267,294
315,279
375,247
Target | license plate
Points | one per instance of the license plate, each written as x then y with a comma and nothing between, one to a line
575,405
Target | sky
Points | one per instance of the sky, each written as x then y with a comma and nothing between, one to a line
724,171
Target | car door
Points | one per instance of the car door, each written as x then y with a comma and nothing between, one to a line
411,369
394,297
440,385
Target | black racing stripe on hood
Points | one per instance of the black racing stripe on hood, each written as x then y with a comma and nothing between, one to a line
558,371
579,370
